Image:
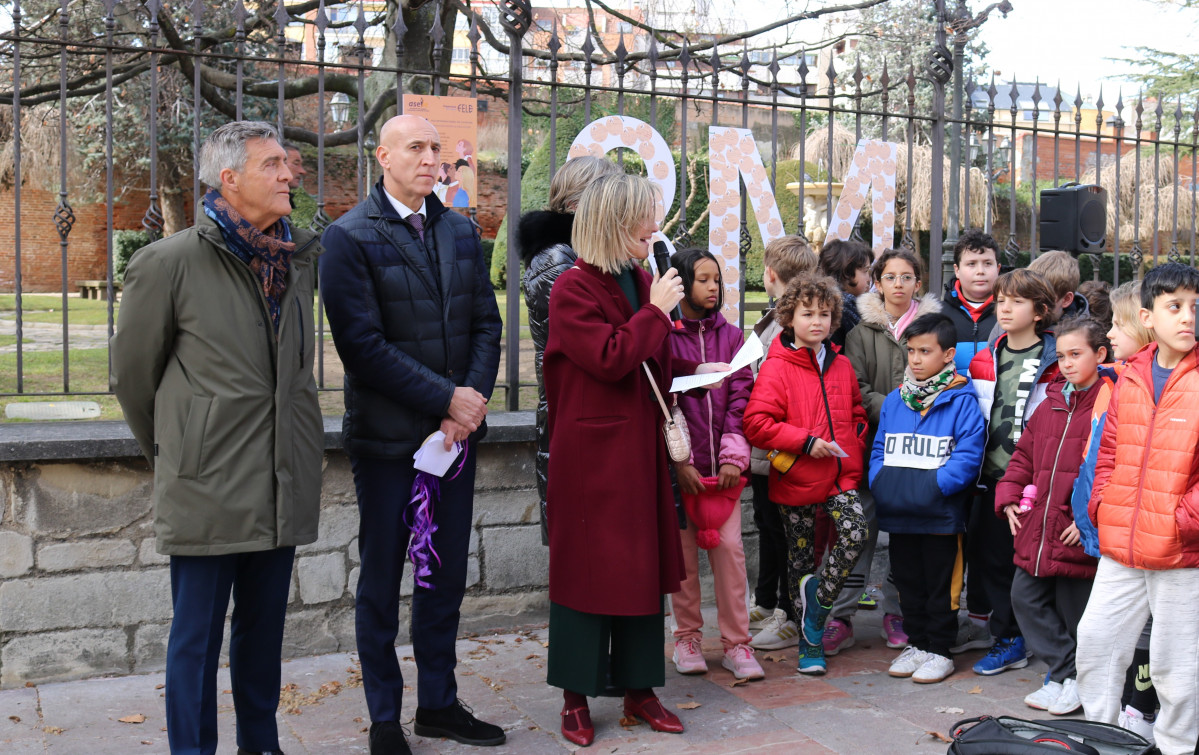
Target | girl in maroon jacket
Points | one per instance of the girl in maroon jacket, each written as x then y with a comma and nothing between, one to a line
806,405
1053,575
711,481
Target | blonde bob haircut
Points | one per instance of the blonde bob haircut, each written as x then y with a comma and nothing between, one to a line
1126,313
576,175
606,220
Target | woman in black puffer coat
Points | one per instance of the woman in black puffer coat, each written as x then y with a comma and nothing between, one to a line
544,241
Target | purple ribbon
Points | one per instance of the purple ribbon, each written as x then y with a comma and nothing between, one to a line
426,491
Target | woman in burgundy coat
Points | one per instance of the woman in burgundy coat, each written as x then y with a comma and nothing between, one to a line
614,536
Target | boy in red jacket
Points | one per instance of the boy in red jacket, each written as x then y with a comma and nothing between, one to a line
1145,502
806,406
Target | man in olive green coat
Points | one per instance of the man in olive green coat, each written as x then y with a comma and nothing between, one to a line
212,364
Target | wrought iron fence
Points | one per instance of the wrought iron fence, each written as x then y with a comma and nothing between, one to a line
200,68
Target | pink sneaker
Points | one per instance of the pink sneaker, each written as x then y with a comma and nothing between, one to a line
893,631
740,660
688,658
838,635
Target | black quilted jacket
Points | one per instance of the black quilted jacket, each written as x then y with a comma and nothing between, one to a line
544,239
406,333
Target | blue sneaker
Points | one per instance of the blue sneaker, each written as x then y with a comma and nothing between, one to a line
1006,653
811,658
814,614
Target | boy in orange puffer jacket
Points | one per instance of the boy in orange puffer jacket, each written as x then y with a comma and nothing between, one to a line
1145,503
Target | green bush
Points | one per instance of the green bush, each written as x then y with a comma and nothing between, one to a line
124,244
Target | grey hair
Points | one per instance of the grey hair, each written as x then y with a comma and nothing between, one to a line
226,148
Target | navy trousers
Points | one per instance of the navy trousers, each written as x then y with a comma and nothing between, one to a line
200,589
384,487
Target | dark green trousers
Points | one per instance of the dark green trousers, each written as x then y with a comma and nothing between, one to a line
583,646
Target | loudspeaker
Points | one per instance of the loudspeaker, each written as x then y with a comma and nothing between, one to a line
1074,218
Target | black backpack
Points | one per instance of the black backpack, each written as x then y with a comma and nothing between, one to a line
1005,735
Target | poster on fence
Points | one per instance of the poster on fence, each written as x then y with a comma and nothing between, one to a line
457,121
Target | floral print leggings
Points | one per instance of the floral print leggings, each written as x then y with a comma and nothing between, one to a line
799,524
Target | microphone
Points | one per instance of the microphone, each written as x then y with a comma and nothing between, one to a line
662,260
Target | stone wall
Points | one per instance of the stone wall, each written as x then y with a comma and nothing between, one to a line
83,592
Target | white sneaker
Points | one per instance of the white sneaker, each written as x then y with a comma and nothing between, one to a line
777,633
936,668
1134,720
907,662
1068,701
1045,697
758,616
972,636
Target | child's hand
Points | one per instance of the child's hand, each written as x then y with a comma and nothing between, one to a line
707,367
689,479
820,449
1071,535
729,474
1013,516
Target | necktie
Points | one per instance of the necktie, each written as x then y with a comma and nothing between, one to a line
418,224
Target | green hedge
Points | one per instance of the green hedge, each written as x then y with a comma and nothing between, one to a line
124,244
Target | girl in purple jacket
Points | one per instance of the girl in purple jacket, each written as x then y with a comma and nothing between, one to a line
711,482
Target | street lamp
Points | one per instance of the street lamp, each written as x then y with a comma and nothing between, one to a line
1003,158
339,108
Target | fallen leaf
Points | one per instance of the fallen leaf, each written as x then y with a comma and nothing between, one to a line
975,690
358,719
940,736
532,657
943,709
30,684
53,729
136,718
627,721
738,682
774,658
147,742
226,692
545,644
15,719
159,686
691,705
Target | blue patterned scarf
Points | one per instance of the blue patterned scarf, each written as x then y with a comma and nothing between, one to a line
268,254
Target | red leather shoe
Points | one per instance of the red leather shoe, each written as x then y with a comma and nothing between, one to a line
652,711
576,725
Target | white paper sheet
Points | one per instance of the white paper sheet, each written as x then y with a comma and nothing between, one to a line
745,356
837,451
432,457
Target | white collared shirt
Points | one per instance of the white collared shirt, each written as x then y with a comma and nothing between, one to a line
403,209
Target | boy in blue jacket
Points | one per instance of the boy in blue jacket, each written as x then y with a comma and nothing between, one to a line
923,467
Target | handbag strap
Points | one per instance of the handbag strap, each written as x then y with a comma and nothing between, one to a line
654,384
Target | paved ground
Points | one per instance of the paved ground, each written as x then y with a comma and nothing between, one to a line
857,708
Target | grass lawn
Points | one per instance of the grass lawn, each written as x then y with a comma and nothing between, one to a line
48,308
43,370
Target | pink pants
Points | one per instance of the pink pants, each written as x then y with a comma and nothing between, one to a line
728,571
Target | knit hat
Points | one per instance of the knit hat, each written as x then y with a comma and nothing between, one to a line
711,509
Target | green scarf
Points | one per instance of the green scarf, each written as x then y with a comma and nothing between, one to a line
920,394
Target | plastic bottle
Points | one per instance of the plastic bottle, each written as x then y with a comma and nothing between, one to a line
1027,497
